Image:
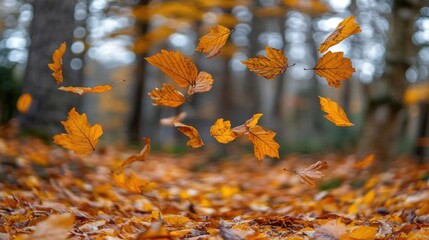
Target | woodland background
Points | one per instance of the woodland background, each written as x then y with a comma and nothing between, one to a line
387,97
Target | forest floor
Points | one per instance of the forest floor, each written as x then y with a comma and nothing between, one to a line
47,192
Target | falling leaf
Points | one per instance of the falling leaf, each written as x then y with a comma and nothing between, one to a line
132,183
310,174
171,120
178,67
167,96
24,102
55,227
364,233
203,83
334,68
263,142
82,90
334,112
244,128
140,156
344,29
221,131
212,42
364,163
270,66
192,133
81,137
56,66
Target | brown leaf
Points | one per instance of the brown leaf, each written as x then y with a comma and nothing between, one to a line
192,133
55,227
270,66
331,230
212,42
167,96
244,128
334,112
310,174
56,66
263,142
82,90
140,156
344,29
203,83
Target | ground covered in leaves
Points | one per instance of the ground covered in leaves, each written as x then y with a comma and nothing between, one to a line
49,193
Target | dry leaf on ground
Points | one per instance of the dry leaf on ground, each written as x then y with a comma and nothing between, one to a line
57,65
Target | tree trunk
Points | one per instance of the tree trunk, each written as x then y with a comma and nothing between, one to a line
53,23
380,131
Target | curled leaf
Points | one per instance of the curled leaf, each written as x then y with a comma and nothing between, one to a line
244,128
203,83
310,174
221,131
56,66
167,96
192,133
334,112
270,66
82,90
344,29
140,156
212,42
171,120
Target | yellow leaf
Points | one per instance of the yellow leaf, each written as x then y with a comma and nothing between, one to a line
82,90
364,233
192,133
344,29
167,96
334,112
175,220
55,227
244,128
132,183
178,67
81,137
24,102
212,42
140,156
367,161
56,66
203,83
334,68
268,67
310,174
221,131
263,142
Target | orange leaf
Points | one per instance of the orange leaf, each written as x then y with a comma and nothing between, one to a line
244,128
221,130
55,227
192,133
171,120
24,102
268,67
178,67
344,29
132,183
82,90
167,96
310,174
364,233
263,142
367,161
81,137
212,42
334,112
139,157
203,83
155,231
334,67
56,66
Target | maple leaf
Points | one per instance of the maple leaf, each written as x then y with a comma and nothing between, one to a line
221,131
56,66
82,90
140,156
334,112
212,42
244,128
270,66
203,83
167,96
334,68
310,174
171,120
178,67
131,183
263,142
55,227
344,29
192,133
24,102
81,137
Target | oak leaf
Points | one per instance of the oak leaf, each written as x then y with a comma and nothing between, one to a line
178,67
212,42
344,29
131,183
334,112
203,83
24,102
270,66
334,68
310,174
263,142
192,133
171,120
167,96
244,128
140,156
82,90
81,137
56,66
55,227
221,131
